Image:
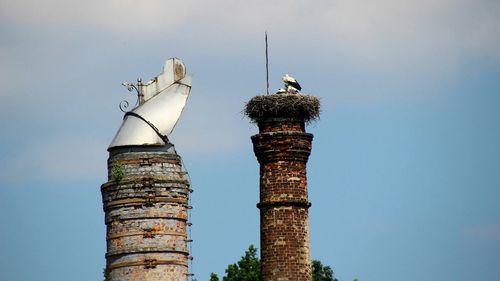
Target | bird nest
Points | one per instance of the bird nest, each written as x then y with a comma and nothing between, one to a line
295,106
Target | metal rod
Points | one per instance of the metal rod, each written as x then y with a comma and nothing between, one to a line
139,90
267,69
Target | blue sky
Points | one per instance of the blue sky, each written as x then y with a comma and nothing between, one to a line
404,177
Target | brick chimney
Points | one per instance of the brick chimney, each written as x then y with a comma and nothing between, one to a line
146,196
282,148
146,203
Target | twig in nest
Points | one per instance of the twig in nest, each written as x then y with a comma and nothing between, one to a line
300,106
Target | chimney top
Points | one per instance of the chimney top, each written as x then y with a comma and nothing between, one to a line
288,106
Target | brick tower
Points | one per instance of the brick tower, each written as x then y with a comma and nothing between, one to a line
146,196
282,148
146,202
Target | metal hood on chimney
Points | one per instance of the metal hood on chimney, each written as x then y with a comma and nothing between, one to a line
161,101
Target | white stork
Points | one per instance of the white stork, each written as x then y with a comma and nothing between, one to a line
291,84
281,91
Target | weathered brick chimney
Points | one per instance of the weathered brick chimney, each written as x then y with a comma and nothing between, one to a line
146,202
146,196
282,148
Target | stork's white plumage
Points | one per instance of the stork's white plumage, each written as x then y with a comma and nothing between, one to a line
281,91
291,84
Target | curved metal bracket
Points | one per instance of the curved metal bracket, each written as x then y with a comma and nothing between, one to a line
124,104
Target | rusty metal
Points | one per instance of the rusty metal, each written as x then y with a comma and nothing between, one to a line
151,199
145,233
147,182
157,182
130,251
143,263
145,162
124,218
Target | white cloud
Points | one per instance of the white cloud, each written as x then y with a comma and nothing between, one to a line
412,43
371,29
409,43
114,15
391,28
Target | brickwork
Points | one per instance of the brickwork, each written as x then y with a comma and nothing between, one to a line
146,202
282,148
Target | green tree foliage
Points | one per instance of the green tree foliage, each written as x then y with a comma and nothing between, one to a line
322,273
248,269
214,277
